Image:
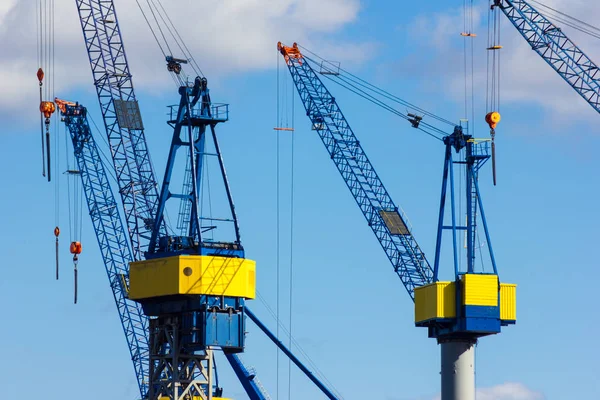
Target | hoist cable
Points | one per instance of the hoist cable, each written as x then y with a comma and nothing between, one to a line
277,247
195,65
291,283
164,16
159,27
299,348
392,110
380,91
151,29
576,20
472,125
571,25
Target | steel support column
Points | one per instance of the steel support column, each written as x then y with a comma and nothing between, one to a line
458,369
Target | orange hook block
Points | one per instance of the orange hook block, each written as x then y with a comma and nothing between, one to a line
40,75
492,119
56,231
75,248
47,108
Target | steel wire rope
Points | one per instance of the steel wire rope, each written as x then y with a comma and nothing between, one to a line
362,93
466,31
277,224
391,97
191,57
151,29
68,187
291,283
300,349
177,76
159,27
392,110
167,27
380,91
564,21
472,126
372,87
579,21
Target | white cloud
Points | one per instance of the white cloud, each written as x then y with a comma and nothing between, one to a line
506,391
225,36
525,77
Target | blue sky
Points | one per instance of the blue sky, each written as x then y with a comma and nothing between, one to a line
350,311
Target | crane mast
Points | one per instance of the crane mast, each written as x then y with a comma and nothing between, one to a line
560,52
456,313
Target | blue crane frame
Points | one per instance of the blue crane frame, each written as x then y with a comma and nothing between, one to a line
111,236
119,243
389,226
115,251
358,173
112,79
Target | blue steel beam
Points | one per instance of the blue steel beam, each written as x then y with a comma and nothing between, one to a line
246,378
290,355
564,56
112,239
112,79
358,173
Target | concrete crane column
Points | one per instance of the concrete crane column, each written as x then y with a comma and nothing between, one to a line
458,369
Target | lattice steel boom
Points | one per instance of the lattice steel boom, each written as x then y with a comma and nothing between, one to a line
112,79
548,40
111,235
384,217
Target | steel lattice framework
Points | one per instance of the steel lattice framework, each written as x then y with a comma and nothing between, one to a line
400,246
112,238
135,176
572,64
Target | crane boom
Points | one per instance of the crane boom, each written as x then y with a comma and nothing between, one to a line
383,216
120,111
111,235
548,40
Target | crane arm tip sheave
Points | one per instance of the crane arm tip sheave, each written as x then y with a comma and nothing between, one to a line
290,52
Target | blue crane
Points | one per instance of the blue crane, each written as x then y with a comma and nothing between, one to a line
458,312
549,41
112,240
171,332
110,233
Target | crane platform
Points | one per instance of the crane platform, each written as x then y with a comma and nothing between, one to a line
219,112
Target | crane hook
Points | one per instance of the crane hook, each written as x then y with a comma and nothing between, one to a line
75,249
492,118
56,234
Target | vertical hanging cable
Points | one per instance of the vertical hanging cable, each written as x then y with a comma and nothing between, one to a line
472,130
277,229
493,79
469,67
291,286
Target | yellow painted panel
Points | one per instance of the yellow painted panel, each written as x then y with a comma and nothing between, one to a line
480,290
218,276
508,301
436,300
